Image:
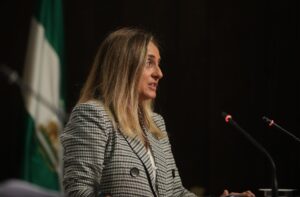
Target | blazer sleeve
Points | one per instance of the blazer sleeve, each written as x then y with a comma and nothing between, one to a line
84,140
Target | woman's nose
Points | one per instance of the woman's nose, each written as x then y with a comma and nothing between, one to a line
158,73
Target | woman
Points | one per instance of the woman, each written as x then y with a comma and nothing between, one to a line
114,144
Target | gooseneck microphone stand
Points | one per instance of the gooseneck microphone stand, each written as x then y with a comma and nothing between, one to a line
229,120
14,78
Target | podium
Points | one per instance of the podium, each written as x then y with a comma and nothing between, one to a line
281,192
19,188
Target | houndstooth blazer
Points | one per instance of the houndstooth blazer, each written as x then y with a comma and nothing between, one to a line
99,160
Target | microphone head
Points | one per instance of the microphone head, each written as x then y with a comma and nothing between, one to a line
268,121
9,73
226,116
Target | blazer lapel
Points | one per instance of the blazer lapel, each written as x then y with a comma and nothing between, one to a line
139,149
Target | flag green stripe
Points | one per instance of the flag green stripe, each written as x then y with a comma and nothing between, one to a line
49,14
34,161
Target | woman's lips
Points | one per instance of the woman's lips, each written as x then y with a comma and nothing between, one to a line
153,86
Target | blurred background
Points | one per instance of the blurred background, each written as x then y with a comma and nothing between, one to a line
240,57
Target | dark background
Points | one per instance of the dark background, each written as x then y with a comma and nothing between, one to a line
241,57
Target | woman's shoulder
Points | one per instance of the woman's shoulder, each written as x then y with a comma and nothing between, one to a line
91,111
90,105
159,121
90,108
157,117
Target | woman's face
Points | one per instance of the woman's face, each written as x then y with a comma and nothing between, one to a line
151,74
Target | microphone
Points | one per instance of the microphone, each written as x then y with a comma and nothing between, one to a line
272,123
10,74
14,78
228,119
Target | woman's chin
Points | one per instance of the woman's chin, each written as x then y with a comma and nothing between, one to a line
147,97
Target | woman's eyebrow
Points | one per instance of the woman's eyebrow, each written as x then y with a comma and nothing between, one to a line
150,56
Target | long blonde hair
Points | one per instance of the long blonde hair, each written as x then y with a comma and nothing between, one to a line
114,80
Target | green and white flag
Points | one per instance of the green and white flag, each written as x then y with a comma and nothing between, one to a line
43,73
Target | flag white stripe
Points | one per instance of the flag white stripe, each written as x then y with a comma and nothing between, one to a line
42,71
42,75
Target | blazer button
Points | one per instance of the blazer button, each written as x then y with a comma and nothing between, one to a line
173,173
134,172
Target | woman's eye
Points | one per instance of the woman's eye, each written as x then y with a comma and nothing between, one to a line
149,63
